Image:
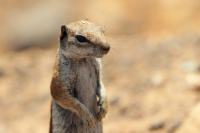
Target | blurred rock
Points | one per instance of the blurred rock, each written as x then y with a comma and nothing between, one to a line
173,126
190,66
192,122
34,27
2,73
193,81
157,79
114,101
157,125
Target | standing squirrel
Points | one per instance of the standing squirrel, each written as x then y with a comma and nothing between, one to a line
78,95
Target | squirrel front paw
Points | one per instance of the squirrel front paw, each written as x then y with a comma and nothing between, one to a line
102,111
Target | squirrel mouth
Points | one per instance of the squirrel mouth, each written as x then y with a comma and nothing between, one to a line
99,55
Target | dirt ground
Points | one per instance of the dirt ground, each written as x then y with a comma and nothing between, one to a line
152,73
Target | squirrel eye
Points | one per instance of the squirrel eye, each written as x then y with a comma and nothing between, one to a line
81,38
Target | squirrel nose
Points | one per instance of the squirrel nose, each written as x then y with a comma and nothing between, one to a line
106,48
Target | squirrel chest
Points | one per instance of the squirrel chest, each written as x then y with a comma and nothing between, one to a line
87,83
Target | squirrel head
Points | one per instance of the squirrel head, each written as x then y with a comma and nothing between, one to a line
83,39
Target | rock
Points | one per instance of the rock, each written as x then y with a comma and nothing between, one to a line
157,79
190,66
157,125
114,101
34,27
192,122
193,81
2,73
173,126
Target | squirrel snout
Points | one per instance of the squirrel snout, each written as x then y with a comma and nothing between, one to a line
105,49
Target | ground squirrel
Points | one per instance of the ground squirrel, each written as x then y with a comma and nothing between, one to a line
79,99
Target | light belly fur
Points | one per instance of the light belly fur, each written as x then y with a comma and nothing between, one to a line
87,86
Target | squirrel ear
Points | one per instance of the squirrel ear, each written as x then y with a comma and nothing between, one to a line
63,34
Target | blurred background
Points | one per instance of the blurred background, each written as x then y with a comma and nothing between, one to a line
152,73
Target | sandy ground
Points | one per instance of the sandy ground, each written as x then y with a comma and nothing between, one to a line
152,85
